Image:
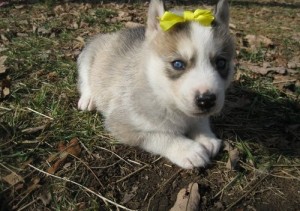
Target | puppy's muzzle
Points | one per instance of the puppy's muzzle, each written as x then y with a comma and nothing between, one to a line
205,101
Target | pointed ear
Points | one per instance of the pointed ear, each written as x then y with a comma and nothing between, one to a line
156,9
221,12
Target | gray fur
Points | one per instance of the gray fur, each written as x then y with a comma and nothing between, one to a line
116,77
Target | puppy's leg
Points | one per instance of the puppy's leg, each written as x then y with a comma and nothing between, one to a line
202,134
86,101
182,151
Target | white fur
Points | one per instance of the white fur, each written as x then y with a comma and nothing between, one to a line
167,122
86,101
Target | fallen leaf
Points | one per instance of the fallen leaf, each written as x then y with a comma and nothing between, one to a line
187,198
234,156
33,185
128,196
3,37
13,179
5,92
19,6
5,88
52,76
2,66
294,63
256,41
19,34
45,197
81,206
25,164
72,148
131,24
43,31
265,70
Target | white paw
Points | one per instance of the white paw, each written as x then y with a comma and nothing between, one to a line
188,154
86,103
212,145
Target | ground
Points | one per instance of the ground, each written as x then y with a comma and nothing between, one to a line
54,157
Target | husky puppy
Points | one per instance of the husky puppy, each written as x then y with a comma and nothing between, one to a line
156,89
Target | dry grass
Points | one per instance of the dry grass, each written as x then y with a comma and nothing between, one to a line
261,118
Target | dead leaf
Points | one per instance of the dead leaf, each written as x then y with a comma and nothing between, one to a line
25,164
294,63
3,37
52,76
5,88
234,156
81,206
43,31
19,6
2,66
265,70
131,24
19,34
13,178
72,148
187,198
45,198
256,41
34,185
5,92
128,196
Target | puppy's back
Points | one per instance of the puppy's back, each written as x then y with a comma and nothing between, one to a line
112,61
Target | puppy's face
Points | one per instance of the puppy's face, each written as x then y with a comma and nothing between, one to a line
190,66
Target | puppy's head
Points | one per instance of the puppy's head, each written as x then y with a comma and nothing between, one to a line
191,65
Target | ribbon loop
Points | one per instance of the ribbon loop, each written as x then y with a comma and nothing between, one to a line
169,19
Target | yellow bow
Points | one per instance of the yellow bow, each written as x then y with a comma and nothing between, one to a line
168,20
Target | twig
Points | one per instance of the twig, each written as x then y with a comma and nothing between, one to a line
114,154
83,187
129,175
108,166
286,165
135,162
161,187
27,205
88,169
35,129
8,169
226,186
284,81
138,170
292,176
7,109
247,193
86,149
39,113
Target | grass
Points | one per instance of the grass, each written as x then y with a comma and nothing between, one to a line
260,119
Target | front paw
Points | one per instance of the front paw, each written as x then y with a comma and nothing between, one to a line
86,103
188,154
212,145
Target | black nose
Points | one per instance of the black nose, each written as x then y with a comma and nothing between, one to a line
206,101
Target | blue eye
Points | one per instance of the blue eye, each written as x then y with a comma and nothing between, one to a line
221,64
178,65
